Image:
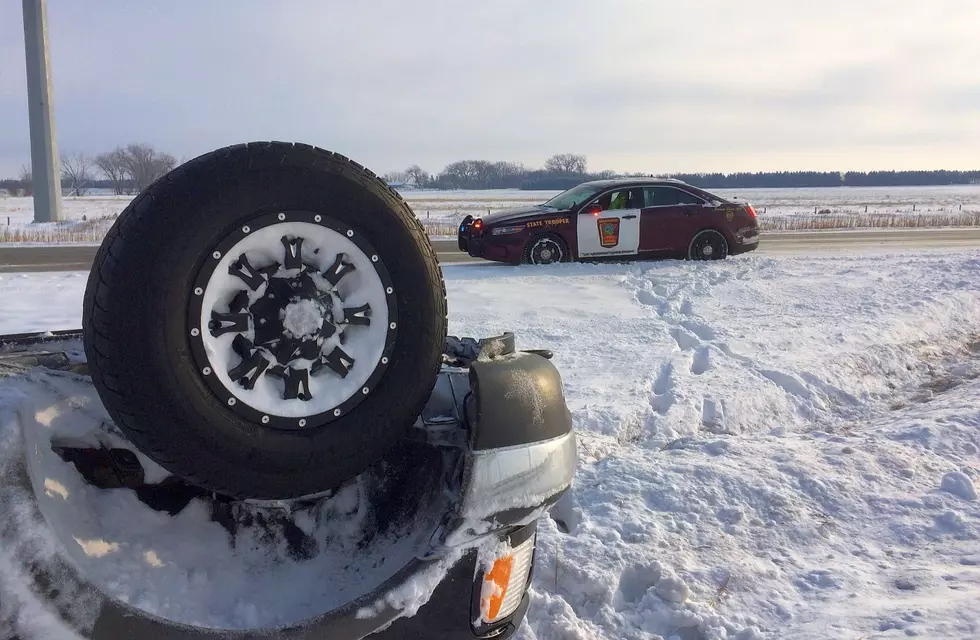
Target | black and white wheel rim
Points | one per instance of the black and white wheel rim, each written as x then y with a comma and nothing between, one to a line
292,320
708,245
545,251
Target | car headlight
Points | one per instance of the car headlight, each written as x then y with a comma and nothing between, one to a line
501,231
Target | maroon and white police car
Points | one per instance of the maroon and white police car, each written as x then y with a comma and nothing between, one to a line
640,218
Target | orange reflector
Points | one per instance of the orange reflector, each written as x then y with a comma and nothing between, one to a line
497,580
504,584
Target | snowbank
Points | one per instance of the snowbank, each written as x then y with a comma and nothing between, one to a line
769,448
764,444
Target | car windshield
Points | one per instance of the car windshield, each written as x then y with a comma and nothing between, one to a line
573,197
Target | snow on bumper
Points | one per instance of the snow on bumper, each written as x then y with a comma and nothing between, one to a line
499,484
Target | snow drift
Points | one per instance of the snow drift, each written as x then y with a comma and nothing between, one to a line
769,448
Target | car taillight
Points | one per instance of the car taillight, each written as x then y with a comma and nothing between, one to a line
749,210
503,584
477,227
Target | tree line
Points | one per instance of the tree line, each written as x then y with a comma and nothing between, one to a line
126,170
776,179
129,169
566,170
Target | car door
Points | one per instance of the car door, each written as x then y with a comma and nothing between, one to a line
668,220
609,225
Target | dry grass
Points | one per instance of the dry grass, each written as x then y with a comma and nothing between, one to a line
440,228
867,221
59,232
94,230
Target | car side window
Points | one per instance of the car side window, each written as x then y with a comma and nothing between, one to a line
621,199
659,196
683,197
663,196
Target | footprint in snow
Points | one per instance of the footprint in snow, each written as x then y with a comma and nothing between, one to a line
665,380
699,329
662,398
634,582
713,416
650,299
662,404
685,339
701,362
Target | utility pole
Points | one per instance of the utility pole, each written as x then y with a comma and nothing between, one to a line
45,168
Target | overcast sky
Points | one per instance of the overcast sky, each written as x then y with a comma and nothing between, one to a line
646,85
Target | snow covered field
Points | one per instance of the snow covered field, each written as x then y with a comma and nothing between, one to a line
440,211
769,447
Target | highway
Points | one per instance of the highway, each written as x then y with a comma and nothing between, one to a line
80,257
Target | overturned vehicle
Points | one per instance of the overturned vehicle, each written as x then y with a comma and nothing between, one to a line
264,431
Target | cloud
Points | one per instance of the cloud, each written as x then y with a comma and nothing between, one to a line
635,85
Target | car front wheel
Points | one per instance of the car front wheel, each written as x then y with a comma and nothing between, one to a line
547,248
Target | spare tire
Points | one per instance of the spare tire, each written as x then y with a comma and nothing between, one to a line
265,320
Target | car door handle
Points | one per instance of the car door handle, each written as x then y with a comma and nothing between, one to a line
629,217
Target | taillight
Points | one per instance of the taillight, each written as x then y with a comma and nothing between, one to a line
477,226
749,210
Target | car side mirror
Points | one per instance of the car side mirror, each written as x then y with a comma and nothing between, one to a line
593,209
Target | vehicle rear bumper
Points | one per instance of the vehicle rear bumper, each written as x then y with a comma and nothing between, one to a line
746,239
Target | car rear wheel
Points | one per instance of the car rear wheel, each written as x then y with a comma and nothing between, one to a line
546,248
266,320
707,244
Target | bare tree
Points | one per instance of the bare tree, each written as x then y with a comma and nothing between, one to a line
144,164
112,167
26,181
418,176
75,172
566,163
396,176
